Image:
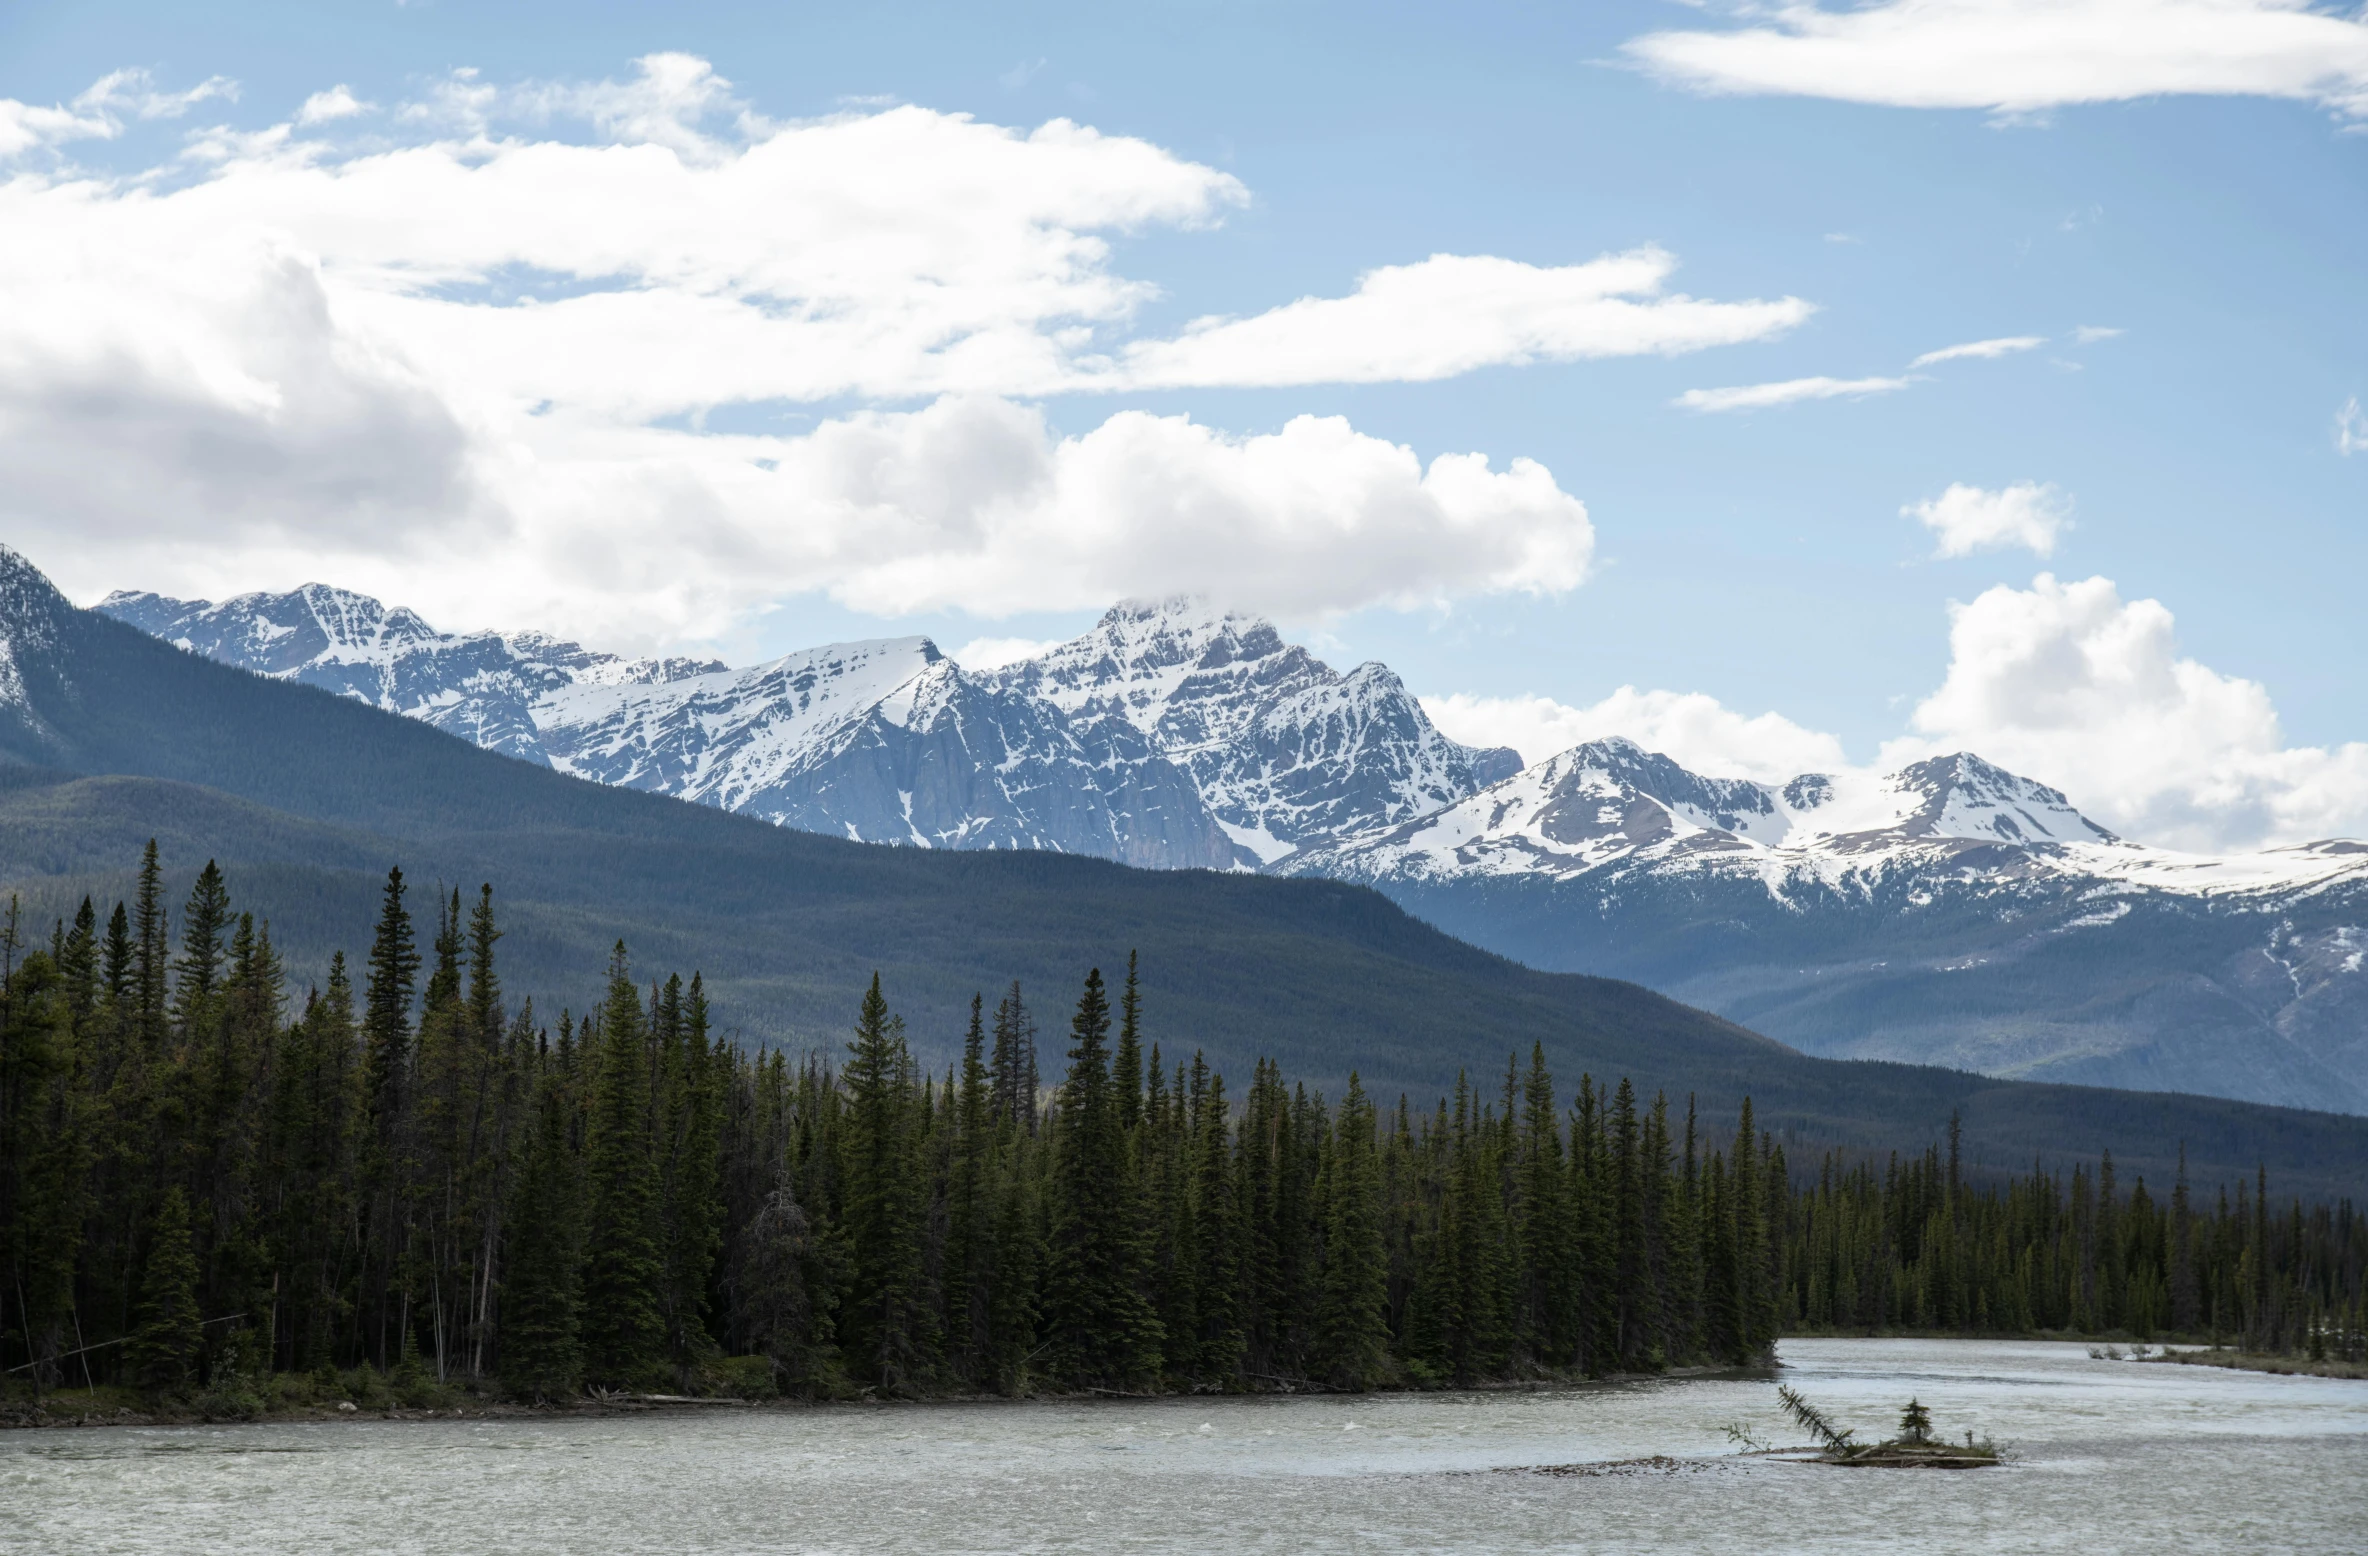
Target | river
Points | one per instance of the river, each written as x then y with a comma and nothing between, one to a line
2108,1456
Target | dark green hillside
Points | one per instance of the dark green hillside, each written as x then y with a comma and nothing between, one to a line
306,798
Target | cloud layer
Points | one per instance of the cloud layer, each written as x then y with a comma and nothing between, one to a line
2022,57
506,329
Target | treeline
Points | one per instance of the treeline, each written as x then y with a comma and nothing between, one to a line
1916,1247
199,1186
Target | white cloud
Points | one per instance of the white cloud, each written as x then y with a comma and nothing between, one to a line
1980,350
2090,334
970,503
1450,314
2023,57
98,113
2066,683
2351,428
1691,728
435,365
2069,684
1754,397
995,653
1966,519
338,102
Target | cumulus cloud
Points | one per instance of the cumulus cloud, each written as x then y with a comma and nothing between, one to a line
1756,397
562,325
2072,685
1451,314
2090,334
1692,728
2023,57
338,102
1981,350
1965,519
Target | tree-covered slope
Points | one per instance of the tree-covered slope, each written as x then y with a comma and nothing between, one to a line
306,798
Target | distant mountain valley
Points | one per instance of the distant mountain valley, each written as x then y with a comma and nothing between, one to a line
1949,913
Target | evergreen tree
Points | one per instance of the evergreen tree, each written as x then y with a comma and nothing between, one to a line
542,1299
163,1352
1352,1320
1126,1065
1098,1320
623,1333
884,1324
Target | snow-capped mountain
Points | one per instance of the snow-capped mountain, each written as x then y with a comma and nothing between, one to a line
886,741
1951,912
481,686
1286,750
1171,735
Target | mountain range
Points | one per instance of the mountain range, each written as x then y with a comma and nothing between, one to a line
1951,912
109,737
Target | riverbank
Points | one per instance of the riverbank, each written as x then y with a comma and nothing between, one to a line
2248,1361
301,1397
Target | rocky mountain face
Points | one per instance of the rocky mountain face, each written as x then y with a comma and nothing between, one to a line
1170,736
1949,913
1284,749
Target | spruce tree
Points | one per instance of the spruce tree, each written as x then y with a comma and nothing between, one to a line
624,1334
542,1296
1126,1072
1098,1321
884,1326
163,1352
1352,1321
149,954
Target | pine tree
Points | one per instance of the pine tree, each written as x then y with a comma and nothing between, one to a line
970,1212
1098,1320
624,1334
542,1298
1126,1065
886,1330
149,954
1216,1212
45,1154
1352,1320
163,1352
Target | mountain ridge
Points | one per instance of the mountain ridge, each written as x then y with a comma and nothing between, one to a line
304,797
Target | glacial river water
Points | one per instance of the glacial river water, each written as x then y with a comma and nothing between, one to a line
2110,1456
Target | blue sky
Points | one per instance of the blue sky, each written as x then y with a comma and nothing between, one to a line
1761,557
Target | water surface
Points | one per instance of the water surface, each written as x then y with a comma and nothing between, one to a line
2111,1456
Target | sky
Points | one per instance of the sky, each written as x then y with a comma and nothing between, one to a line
1786,388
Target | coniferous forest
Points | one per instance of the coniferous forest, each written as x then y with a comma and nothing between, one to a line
208,1178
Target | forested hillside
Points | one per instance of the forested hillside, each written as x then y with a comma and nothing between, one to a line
305,800
411,1180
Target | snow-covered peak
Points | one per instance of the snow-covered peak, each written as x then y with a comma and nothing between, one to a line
1611,803
1284,749
1136,658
